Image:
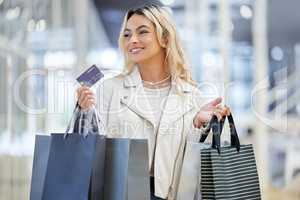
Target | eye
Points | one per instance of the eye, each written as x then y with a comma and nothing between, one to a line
143,32
126,35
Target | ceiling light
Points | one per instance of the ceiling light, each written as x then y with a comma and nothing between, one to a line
246,11
277,53
41,25
168,2
13,13
31,25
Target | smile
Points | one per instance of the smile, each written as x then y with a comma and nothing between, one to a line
136,50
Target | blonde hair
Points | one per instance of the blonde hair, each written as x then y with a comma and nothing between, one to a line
167,37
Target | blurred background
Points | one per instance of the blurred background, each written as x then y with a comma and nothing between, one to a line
247,51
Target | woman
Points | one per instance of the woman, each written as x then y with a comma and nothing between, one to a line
155,98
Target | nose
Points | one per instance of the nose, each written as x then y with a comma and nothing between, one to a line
133,38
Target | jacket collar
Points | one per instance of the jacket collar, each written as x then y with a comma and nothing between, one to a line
133,79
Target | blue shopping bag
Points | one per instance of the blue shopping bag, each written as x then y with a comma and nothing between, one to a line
64,165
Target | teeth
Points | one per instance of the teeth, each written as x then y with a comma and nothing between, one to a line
135,50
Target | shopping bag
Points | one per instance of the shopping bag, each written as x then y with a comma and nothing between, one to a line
87,122
229,172
64,163
97,184
189,178
41,156
40,161
69,167
126,169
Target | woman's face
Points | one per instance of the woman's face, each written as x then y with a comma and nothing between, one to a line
141,42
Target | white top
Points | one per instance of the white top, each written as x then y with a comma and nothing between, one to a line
157,98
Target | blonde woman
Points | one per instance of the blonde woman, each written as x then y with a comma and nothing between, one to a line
155,98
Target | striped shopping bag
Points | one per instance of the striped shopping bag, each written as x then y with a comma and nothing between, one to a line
229,172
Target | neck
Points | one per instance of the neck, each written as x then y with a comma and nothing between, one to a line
153,70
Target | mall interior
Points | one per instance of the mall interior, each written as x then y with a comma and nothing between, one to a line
246,51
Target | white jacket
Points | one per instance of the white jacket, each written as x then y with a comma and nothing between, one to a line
126,113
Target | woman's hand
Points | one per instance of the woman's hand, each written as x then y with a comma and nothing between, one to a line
86,97
207,111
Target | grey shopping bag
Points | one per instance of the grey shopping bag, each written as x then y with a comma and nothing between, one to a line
229,172
98,172
190,171
126,169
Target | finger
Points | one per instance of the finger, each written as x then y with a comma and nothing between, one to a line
214,102
91,103
219,116
86,90
220,106
85,93
88,102
81,97
80,92
82,88
228,111
222,111
88,97
82,101
225,110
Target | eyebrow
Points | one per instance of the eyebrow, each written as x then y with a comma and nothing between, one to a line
142,26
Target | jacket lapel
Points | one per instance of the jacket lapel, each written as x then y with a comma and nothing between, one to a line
179,102
134,96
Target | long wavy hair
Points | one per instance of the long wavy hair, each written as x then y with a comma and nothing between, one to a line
167,36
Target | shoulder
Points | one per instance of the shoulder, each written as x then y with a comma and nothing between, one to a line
187,87
106,89
193,93
110,83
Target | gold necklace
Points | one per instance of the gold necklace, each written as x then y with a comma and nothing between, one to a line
158,82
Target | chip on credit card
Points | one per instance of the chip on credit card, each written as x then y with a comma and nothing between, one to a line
90,76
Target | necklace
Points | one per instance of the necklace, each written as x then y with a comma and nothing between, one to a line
158,82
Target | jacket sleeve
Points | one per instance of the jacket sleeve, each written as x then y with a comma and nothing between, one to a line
103,94
195,133
198,100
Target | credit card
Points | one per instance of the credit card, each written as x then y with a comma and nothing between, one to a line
90,76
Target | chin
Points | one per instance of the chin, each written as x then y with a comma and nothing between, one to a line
138,59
